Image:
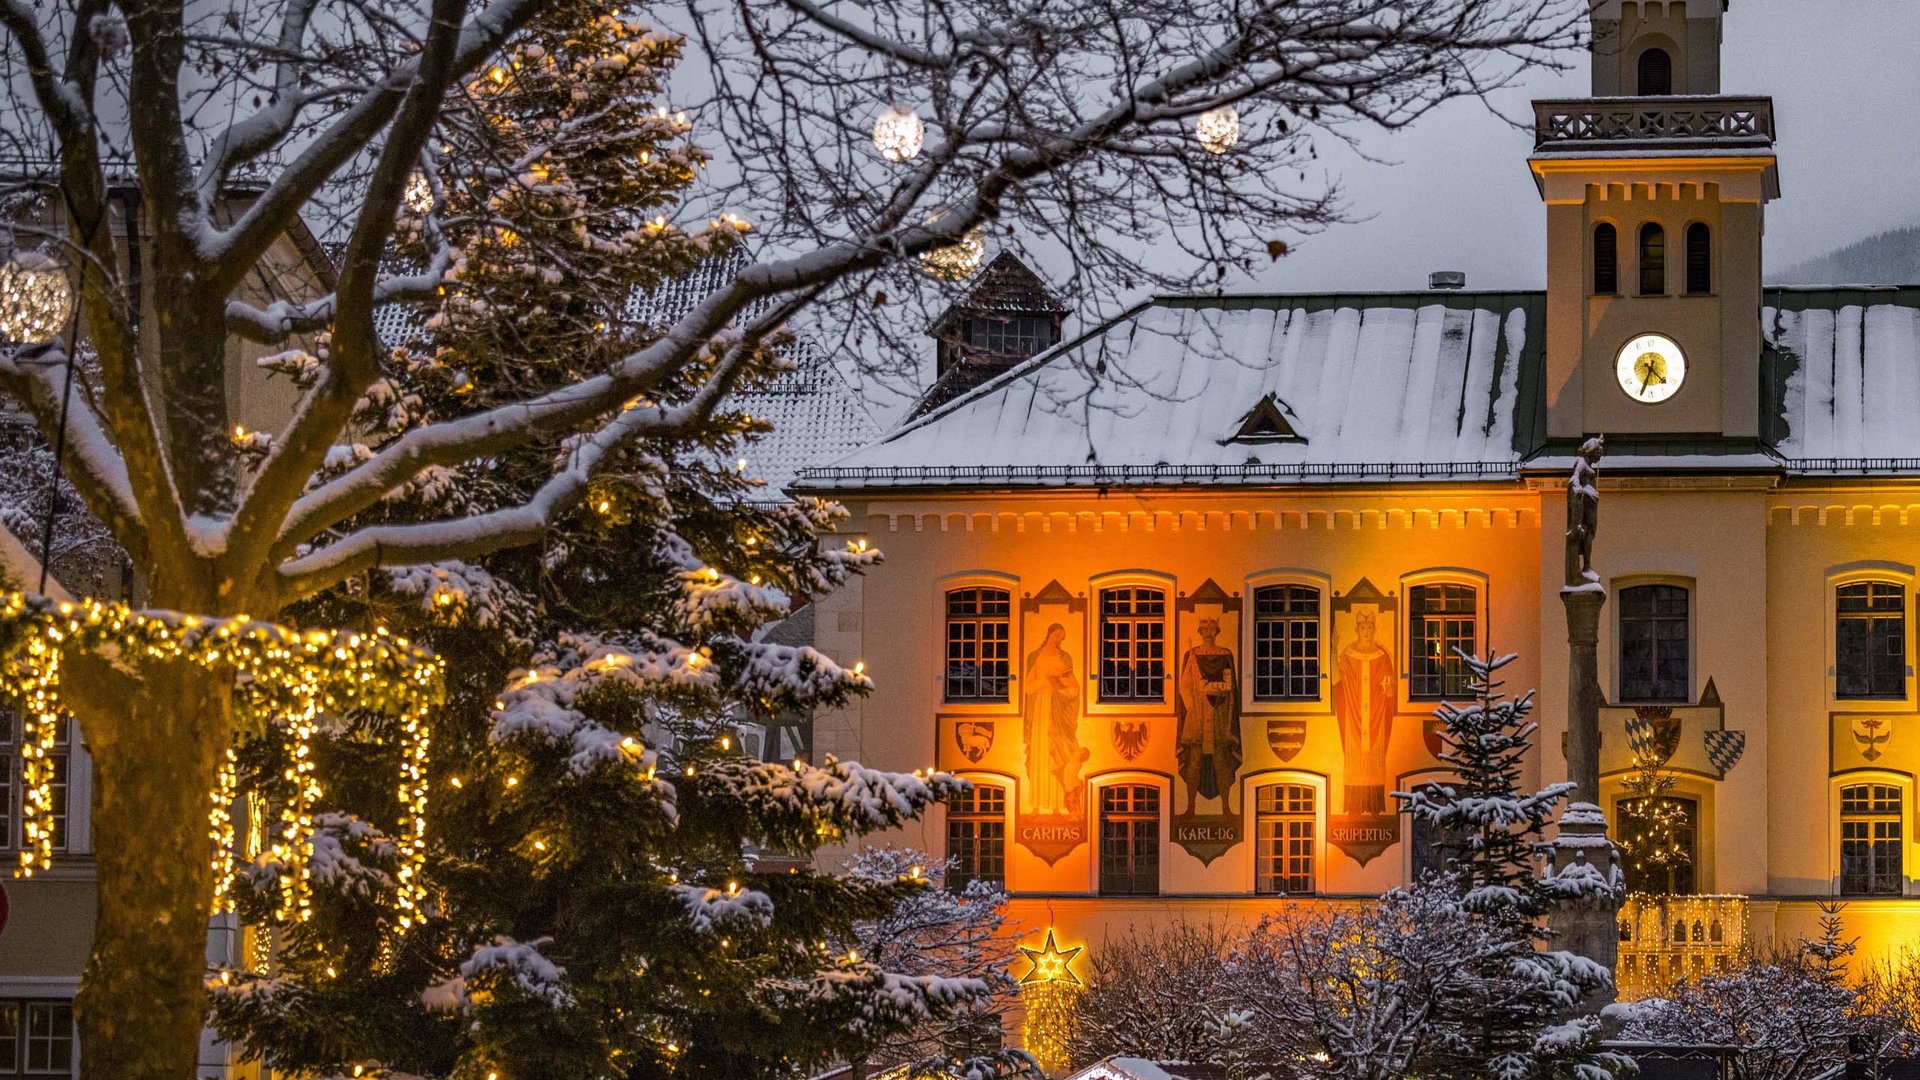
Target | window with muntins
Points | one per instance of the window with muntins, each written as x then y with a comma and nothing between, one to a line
979,632
36,1039
1653,260
1021,335
1133,643
1286,643
977,837
1870,840
1658,838
1442,623
1656,73
12,776
1654,644
1606,259
1284,827
1870,640
1699,258
1130,840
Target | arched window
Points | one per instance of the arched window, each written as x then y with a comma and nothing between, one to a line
1133,643
1283,821
1286,643
1443,622
1129,840
977,836
1606,258
1653,260
1656,73
1870,840
1699,258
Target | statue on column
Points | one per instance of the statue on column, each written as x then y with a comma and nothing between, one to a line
1583,512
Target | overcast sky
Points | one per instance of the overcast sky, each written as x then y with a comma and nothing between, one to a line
1845,80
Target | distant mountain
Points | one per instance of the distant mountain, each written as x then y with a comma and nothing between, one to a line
1888,258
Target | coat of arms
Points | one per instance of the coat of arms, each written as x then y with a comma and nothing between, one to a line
1724,749
973,738
1130,737
1653,734
1870,733
1287,737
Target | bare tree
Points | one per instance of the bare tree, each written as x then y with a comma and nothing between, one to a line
1073,123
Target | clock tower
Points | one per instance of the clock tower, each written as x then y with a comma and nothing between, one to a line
1655,190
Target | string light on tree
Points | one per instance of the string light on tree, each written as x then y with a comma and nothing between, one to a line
898,134
36,298
286,679
1217,129
419,195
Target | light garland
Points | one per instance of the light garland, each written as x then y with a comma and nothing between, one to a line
35,298
292,674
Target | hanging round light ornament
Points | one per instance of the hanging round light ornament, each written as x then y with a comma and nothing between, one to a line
35,298
418,195
1217,129
956,261
898,134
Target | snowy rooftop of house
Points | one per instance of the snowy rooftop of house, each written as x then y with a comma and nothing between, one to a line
1376,387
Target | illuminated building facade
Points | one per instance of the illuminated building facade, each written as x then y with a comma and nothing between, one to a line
1179,595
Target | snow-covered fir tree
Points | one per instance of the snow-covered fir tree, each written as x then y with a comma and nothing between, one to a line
597,905
1513,1017
1155,992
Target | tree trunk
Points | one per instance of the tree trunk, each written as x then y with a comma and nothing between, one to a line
156,742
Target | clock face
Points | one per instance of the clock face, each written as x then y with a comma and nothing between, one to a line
1651,368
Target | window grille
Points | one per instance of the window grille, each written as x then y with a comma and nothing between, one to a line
1659,837
1284,826
1699,258
977,837
1286,643
1606,259
1870,640
1870,840
1133,644
1130,840
979,630
1442,623
1656,73
1654,644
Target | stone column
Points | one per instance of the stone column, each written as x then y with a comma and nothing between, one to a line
1583,603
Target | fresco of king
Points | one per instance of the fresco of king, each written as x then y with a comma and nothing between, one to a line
1208,710
1365,695
1052,727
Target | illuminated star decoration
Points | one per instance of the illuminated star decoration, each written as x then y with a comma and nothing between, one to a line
1051,964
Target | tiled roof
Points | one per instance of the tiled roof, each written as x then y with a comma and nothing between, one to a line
1008,285
1377,386
1842,371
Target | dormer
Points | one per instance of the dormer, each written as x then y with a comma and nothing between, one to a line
1656,48
1007,317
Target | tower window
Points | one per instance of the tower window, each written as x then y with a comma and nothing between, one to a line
1653,260
1653,644
1656,73
1606,258
1699,258
1129,840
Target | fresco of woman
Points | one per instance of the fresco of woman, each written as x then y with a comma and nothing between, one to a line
1208,710
1364,700
1052,727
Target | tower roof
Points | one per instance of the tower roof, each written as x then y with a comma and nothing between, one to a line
1005,287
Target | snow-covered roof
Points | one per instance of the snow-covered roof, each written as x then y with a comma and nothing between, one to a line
1843,374
1367,386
